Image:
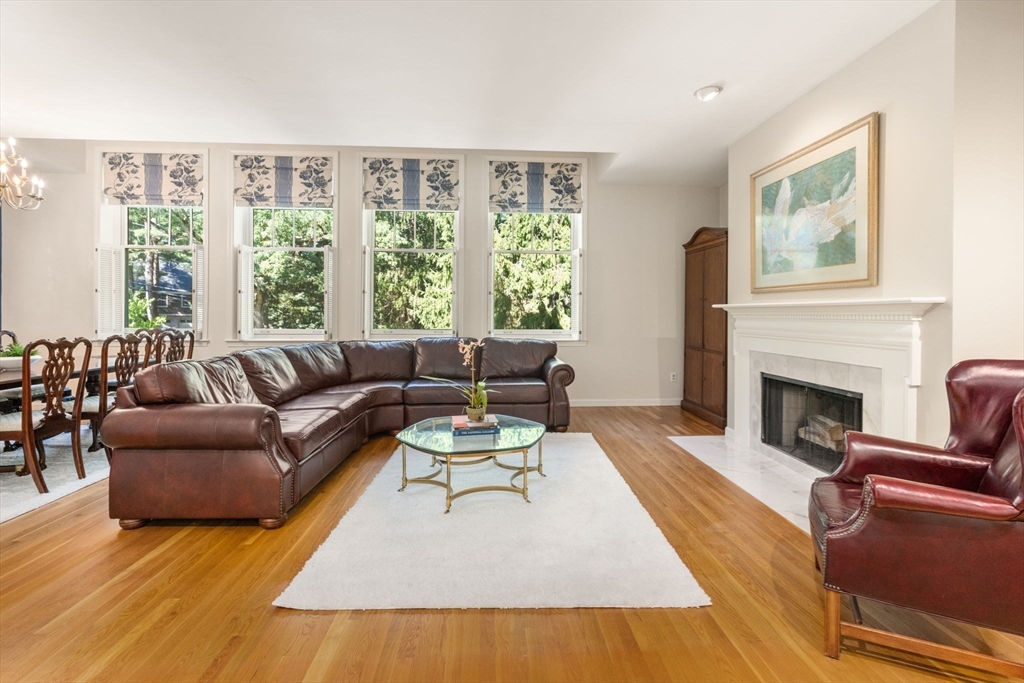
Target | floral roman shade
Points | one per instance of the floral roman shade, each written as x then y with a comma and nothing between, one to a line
138,179
411,184
535,187
284,181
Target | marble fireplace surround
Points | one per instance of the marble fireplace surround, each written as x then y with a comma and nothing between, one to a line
871,346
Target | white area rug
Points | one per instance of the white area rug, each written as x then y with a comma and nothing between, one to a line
785,488
584,541
18,495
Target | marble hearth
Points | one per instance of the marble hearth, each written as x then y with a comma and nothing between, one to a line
869,346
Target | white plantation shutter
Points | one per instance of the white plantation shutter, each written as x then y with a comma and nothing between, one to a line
198,290
367,295
455,293
110,274
577,293
328,292
245,293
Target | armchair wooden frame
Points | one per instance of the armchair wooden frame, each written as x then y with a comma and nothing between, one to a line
56,373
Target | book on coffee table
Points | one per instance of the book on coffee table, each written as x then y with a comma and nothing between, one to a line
463,426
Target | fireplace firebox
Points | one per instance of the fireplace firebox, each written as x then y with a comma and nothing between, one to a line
808,421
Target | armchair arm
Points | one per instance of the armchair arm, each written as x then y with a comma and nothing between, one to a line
558,376
223,426
867,454
891,493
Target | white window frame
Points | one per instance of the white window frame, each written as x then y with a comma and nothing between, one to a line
198,253
111,233
369,249
575,254
576,334
246,296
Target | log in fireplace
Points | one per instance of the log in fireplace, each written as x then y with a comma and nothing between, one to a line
808,421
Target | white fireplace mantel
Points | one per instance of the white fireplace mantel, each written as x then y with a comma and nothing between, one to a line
906,309
870,333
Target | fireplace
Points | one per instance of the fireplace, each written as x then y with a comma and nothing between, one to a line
808,421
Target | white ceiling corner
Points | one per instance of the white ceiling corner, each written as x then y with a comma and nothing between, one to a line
614,78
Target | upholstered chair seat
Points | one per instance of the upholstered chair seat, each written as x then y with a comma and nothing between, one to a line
10,422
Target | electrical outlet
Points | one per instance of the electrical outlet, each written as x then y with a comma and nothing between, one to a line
672,377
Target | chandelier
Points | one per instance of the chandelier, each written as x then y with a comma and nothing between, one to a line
16,189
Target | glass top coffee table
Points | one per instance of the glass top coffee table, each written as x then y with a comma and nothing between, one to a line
434,437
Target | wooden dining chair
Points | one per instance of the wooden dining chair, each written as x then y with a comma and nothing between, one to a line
170,346
57,416
131,355
7,333
152,333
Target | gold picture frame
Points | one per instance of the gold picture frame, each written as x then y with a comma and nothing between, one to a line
819,229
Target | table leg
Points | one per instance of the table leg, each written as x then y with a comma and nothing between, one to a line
448,493
405,479
526,468
540,458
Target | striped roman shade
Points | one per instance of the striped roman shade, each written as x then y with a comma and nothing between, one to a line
535,187
283,181
140,179
411,184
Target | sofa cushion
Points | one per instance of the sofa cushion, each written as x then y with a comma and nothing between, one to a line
318,365
271,374
517,390
307,431
373,360
216,380
514,357
381,392
350,405
426,391
440,357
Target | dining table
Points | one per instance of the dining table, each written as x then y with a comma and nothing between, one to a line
11,379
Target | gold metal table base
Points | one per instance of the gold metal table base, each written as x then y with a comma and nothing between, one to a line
458,459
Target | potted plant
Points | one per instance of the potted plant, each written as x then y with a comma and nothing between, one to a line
10,356
476,392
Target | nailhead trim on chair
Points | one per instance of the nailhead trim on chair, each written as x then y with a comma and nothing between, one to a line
867,500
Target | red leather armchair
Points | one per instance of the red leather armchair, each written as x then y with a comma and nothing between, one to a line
936,530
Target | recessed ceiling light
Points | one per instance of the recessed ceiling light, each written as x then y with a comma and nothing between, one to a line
707,93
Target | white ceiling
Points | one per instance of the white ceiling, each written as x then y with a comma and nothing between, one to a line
611,77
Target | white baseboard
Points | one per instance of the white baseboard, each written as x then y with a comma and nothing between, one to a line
612,402
730,433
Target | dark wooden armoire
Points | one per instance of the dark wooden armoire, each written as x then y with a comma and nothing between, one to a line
706,337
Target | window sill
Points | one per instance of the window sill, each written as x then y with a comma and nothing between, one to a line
272,341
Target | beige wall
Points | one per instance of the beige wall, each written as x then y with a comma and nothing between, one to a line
908,79
988,181
633,260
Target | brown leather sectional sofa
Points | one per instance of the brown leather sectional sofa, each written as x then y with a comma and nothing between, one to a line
248,435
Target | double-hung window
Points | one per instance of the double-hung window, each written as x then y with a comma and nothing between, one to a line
150,256
411,211
284,217
536,249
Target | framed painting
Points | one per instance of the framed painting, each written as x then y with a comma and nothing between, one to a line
814,214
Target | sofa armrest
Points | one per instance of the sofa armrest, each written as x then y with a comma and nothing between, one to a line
867,454
222,426
892,493
558,376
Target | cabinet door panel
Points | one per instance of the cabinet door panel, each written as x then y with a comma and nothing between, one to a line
713,390
715,292
694,294
693,371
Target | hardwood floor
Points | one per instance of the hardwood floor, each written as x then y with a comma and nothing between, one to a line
82,600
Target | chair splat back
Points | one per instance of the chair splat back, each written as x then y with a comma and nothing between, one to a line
55,373
129,359
170,346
